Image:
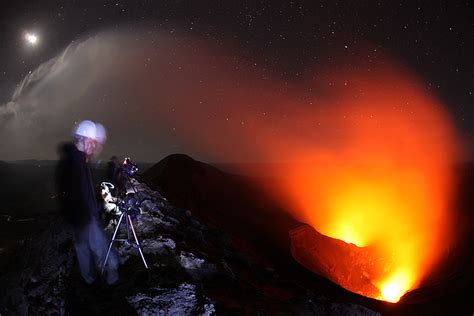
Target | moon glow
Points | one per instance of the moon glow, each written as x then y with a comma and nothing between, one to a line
31,38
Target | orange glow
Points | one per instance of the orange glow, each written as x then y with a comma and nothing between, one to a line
367,155
395,287
384,181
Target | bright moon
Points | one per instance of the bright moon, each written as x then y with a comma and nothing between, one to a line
31,38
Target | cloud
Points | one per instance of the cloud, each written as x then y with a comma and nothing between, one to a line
156,94
160,93
59,92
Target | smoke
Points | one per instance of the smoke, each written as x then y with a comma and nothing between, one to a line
156,95
369,149
49,100
160,94
386,180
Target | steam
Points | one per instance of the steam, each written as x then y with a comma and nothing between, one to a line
155,94
46,103
388,181
369,149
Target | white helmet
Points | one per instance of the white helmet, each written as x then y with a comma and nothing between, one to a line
86,129
100,133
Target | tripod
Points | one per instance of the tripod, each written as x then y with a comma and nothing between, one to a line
129,227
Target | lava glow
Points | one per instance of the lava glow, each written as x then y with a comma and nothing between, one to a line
395,287
384,181
367,150
368,153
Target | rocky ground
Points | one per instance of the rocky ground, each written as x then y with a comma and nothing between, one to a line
262,229
193,269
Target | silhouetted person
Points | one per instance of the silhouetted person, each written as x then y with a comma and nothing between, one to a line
78,201
113,171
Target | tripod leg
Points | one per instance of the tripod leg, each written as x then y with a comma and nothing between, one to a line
111,243
127,226
136,240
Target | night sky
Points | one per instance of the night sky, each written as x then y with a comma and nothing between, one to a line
281,40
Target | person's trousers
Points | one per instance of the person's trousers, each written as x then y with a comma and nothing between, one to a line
91,247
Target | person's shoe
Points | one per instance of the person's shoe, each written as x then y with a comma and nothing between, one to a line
89,280
112,277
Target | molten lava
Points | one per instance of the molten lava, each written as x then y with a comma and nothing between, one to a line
384,182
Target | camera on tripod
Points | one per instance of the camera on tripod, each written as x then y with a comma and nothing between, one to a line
124,199
127,207
129,168
130,204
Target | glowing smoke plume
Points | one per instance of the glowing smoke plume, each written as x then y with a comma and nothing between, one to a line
386,181
369,152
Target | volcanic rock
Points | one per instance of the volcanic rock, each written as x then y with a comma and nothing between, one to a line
182,300
257,226
345,264
191,275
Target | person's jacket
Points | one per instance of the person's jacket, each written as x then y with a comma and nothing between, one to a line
113,172
74,187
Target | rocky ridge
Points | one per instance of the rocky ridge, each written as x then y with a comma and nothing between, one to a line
193,269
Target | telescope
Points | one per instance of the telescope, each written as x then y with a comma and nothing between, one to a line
128,207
